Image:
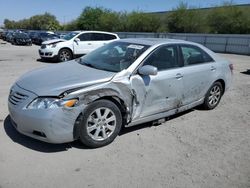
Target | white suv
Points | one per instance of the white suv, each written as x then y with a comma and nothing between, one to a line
75,44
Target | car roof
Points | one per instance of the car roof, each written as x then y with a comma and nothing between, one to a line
93,31
154,41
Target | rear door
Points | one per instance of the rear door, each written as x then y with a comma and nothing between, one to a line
91,41
100,39
198,73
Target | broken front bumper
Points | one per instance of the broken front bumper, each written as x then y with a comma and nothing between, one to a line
48,125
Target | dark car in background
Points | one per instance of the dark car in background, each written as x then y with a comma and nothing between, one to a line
39,38
21,38
32,35
3,35
9,36
61,34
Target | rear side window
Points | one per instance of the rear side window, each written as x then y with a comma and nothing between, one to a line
109,37
102,36
85,37
97,37
193,55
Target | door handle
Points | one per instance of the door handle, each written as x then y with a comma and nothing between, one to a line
178,76
89,43
212,68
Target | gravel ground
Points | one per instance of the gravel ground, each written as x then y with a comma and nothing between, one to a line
195,149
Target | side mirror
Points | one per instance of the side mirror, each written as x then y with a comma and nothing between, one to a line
148,70
77,40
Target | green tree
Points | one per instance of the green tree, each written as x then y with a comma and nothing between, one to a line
109,21
228,19
46,21
90,18
183,20
71,26
38,22
142,22
9,24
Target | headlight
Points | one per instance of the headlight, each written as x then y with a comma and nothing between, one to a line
49,103
52,45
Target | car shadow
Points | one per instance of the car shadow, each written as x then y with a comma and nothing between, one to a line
46,61
34,144
44,147
126,130
247,72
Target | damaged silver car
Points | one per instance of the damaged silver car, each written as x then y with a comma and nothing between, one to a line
124,83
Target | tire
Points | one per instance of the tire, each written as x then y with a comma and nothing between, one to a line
65,55
14,42
100,124
213,96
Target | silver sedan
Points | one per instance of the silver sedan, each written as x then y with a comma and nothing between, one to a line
124,83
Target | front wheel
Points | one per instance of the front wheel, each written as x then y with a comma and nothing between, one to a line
101,123
213,96
65,55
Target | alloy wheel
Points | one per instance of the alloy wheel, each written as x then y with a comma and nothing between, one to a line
65,55
214,95
101,124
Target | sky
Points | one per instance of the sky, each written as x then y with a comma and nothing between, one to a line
67,10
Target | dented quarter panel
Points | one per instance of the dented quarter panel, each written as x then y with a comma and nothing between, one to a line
117,88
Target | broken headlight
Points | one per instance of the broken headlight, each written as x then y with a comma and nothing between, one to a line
50,103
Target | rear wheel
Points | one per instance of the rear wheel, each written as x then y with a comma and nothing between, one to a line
213,96
65,55
100,124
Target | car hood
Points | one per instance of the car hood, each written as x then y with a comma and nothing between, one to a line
56,79
53,41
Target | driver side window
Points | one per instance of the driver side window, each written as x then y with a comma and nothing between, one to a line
163,58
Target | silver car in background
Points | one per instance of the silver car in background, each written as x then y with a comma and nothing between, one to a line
124,83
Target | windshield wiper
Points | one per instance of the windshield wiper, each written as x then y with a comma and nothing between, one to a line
87,64
92,66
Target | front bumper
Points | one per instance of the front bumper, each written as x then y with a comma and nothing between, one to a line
48,53
48,125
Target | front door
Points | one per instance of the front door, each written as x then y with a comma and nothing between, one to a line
161,92
83,46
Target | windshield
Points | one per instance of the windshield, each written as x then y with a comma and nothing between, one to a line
70,35
21,35
114,56
44,34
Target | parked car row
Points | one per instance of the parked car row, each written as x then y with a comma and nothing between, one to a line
22,37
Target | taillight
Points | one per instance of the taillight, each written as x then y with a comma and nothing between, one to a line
231,68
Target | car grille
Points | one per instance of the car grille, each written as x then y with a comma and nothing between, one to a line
16,97
43,46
